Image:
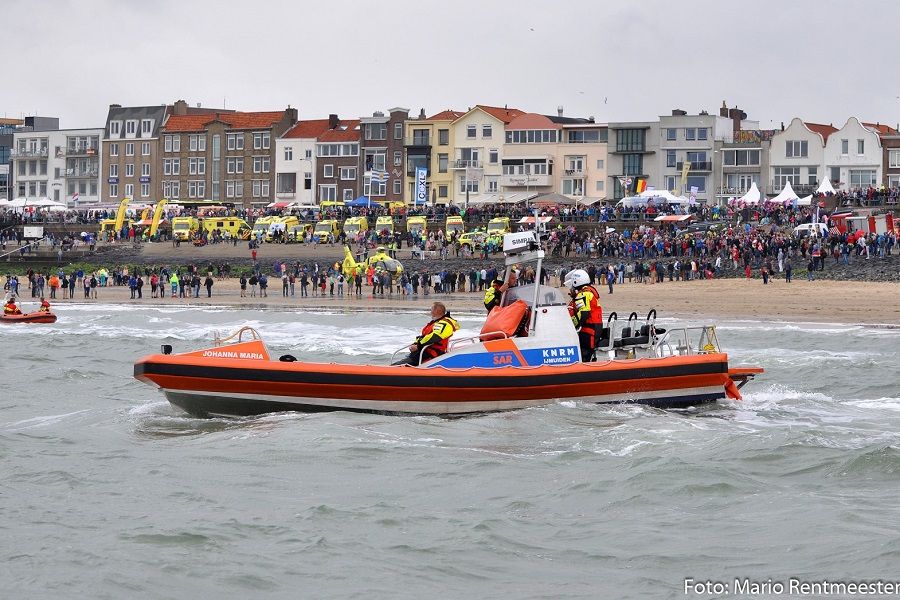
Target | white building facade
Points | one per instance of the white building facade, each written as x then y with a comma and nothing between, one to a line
62,165
853,157
687,161
797,155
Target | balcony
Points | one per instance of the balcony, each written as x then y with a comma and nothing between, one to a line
83,173
423,141
462,163
696,166
576,172
631,149
31,153
525,180
74,151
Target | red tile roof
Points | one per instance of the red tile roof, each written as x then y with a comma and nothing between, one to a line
447,115
235,120
347,132
881,128
531,121
504,114
823,130
312,128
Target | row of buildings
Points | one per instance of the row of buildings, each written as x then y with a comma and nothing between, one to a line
484,154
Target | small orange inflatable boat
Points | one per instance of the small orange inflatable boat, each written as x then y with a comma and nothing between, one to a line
34,317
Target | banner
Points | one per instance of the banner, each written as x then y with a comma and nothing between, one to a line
684,173
421,185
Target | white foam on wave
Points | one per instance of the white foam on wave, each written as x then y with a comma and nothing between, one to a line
43,421
891,404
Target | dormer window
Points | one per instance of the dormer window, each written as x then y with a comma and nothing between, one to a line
147,127
131,127
115,128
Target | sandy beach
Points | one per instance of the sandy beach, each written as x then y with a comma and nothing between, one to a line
848,302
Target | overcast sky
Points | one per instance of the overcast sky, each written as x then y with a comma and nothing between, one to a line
821,60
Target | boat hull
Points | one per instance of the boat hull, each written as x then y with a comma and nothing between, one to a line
238,387
35,317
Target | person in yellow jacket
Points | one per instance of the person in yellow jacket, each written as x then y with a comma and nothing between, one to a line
435,338
173,281
10,308
494,294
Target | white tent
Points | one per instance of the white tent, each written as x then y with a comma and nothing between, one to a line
752,196
786,195
805,201
656,197
825,187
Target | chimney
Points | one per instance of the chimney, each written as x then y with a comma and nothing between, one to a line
377,113
723,111
422,114
333,121
677,112
559,110
111,106
591,119
180,107
198,105
291,114
782,125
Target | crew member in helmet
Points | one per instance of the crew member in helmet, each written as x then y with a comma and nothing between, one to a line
494,293
10,308
587,316
435,338
45,306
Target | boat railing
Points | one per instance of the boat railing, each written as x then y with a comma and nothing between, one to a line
239,334
477,339
687,341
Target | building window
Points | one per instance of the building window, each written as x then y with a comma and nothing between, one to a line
671,182
894,159
845,147
261,164
327,193
860,147
741,158
147,127
670,158
197,143
286,183
131,130
470,185
129,190
701,133
234,165
443,190
307,180
493,156
114,149
471,131
699,182
630,140
115,128
632,164
288,153
784,175
145,190
113,170
492,184
261,140
601,185
398,131
690,134
813,175
113,190
129,170
600,163
398,187
129,149
145,148
862,179
234,141
172,143
398,159
443,137
486,132
196,166
145,170
348,174
308,153
443,161
376,131
671,134
328,171
796,149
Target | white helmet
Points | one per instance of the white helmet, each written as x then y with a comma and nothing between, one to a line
577,278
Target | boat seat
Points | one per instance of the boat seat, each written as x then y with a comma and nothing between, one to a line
641,339
287,358
620,341
603,340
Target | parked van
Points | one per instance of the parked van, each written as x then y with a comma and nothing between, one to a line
297,233
417,225
384,223
324,227
811,229
235,226
282,225
110,225
184,228
261,227
498,226
454,225
354,225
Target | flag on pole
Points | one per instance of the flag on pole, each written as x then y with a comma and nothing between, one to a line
640,185
74,196
379,176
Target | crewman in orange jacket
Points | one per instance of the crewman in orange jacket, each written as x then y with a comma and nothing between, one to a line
10,308
435,338
587,316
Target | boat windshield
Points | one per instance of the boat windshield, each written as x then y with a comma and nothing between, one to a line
547,296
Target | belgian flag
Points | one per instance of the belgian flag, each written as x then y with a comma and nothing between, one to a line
639,185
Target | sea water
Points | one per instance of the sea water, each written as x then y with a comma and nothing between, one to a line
110,492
